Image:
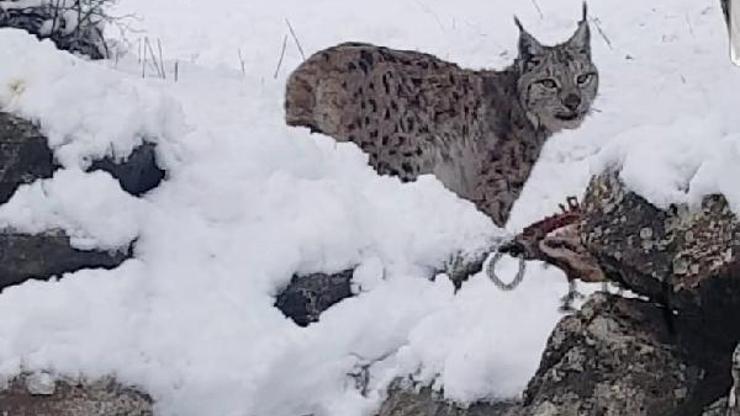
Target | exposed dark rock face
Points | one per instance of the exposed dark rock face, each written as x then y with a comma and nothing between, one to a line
24,155
43,256
25,396
306,297
138,174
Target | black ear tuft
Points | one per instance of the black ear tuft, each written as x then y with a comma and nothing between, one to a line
581,39
585,12
519,24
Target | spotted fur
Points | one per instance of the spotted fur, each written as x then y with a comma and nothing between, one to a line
479,132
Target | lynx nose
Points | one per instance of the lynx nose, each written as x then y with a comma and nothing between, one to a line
572,102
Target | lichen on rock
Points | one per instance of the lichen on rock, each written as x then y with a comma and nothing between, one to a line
614,357
104,397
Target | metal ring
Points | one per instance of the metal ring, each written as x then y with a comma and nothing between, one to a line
491,272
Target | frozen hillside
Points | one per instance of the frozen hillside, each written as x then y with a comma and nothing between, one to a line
249,202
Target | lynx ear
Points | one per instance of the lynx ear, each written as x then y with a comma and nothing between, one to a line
529,47
581,39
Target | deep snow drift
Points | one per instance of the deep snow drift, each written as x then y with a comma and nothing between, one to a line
248,201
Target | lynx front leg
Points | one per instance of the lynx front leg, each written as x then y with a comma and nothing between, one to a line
495,198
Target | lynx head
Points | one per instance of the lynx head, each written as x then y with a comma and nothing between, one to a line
557,84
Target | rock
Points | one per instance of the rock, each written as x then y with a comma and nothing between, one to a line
83,36
718,408
685,259
627,235
24,257
24,155
408,401
40,384
137,174
306,297
614,357
100,398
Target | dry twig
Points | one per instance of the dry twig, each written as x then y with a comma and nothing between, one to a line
295,38
282,55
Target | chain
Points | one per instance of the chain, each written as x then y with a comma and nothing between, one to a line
518,278
525,246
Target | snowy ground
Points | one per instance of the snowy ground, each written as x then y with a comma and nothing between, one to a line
249,201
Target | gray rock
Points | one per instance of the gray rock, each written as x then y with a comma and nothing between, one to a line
138,173
666,356
24,257
718,408
306,297
40,384
627,235
85,39
24,155
404,400
100,398
686,259
614,357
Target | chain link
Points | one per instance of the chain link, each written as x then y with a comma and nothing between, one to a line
518,278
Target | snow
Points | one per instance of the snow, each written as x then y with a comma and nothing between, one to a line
55,204
248,202
110,116
681,162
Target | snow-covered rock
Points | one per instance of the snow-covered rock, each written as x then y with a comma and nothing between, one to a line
42,395
73,25
25,156
404,399
614,357
248,203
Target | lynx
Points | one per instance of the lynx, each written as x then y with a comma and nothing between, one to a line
480,132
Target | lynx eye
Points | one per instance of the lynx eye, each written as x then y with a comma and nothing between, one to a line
549,83
582,79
